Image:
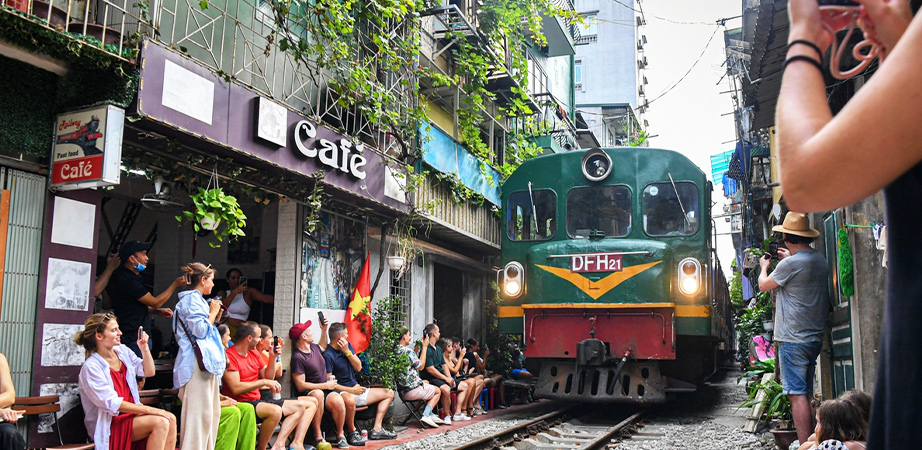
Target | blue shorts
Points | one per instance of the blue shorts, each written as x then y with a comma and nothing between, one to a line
515,373
798,362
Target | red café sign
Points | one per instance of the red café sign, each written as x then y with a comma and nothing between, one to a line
87,148
595,262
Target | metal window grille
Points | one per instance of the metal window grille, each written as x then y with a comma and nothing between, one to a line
401,287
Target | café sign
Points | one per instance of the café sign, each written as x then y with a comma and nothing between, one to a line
87,148
344,156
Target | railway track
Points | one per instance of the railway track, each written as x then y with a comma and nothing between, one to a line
553,431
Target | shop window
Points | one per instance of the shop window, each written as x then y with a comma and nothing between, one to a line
670,209
400,286
331,260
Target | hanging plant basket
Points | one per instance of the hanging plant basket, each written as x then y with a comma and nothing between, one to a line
215,211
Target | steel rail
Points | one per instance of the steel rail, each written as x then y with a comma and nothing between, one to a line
509,435
605,438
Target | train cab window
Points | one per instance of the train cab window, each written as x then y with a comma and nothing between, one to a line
671,211
595,209
531,216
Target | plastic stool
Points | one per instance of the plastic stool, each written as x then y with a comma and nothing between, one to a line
485,400
454,401
493,392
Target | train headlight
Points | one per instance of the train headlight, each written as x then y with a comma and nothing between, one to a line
689,276
596,164
513,279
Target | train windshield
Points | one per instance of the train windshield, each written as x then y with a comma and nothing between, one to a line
528,220
595,210
671,211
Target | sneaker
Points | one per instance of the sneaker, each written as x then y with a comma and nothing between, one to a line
460,417
479,411
381,435
502,406
427,421
447,420
438,420
355,438
340,443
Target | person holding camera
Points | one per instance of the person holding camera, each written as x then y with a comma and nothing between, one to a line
197,371
239,299
800,283
873,143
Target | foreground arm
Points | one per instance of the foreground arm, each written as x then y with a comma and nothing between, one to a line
870,143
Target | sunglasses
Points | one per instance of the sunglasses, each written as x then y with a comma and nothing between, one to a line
105,320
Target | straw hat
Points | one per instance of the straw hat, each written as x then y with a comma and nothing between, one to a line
796,224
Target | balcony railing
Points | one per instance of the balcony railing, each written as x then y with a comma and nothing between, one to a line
480,222
114,26
553,120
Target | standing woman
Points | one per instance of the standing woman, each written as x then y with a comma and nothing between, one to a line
198,389
240,298
115,417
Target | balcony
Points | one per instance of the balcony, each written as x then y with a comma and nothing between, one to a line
552,128
114,27
561,34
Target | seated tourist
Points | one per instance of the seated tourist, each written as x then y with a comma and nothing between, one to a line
309,374
342,362
9,437
478,365
840,426
237,426
861,401
271,351
435,370
246,381
454,356
108,388
411,386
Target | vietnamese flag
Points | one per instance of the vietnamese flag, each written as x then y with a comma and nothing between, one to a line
358,320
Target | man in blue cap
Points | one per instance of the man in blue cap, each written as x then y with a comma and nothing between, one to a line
131,299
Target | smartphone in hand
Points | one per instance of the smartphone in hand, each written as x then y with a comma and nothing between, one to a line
320,316
242,280
140,332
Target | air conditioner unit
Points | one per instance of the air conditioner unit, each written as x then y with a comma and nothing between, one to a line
645,61
640,64
643,37
640,90
645,80
639,45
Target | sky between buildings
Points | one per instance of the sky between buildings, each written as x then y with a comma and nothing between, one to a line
690,117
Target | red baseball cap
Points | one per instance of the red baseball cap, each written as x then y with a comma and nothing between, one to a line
297,330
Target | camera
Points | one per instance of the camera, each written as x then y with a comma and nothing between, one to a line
242,280
837,3
773,249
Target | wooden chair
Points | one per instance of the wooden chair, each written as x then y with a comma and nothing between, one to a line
47,404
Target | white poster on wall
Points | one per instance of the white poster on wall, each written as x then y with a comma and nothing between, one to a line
69,395
74,223
68,285
58,347
187,92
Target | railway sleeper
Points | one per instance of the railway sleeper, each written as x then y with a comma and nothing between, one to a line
629,382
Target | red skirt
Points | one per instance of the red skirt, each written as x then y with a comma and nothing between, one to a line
121,427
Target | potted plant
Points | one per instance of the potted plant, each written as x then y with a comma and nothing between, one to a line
212,208
778,411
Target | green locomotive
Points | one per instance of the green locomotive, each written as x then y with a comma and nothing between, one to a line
610,274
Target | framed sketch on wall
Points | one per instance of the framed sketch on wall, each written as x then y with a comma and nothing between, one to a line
68,285
58,347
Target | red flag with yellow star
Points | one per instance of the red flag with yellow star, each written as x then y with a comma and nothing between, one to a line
358,320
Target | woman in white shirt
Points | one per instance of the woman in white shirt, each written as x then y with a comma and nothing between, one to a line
115,417
240,298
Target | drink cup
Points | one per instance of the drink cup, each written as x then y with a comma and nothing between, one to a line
365,434
276,396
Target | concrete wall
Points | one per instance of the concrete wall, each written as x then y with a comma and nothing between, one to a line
609,63
870,289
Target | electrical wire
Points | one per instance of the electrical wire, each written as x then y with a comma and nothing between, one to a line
670,88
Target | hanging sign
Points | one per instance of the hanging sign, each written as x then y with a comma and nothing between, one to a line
87,149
